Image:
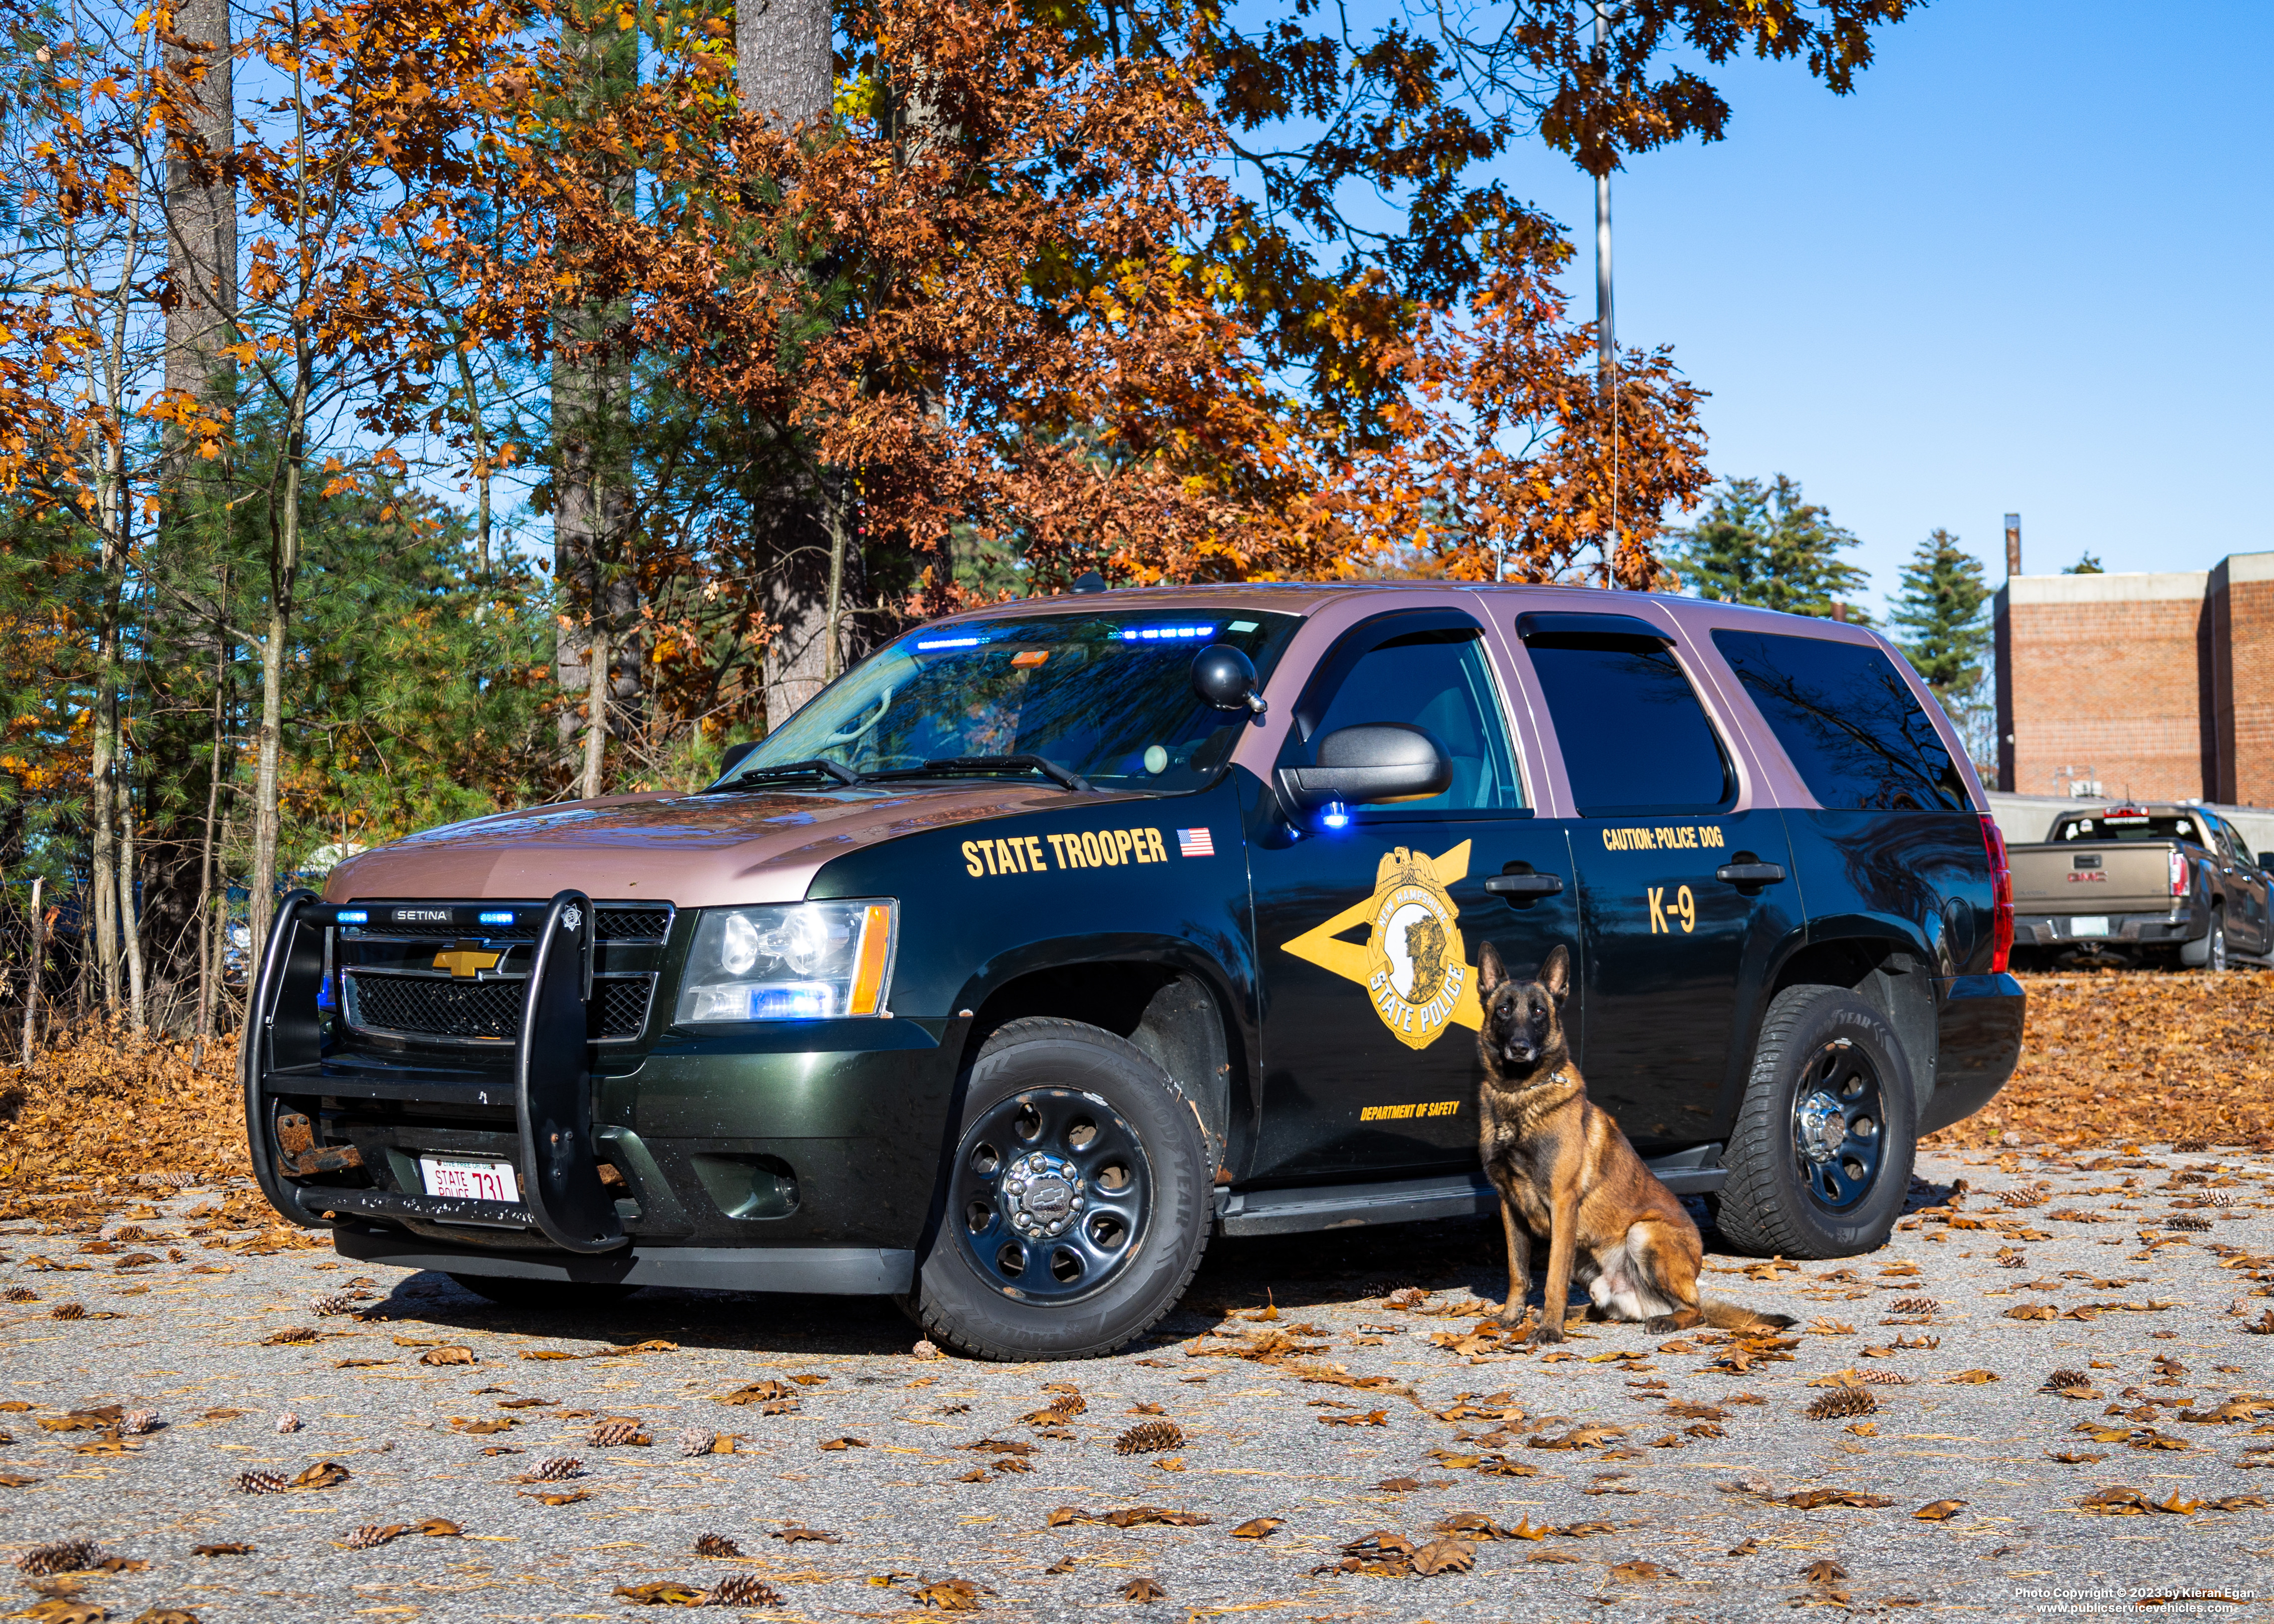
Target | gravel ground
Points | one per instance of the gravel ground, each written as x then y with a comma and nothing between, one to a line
1660,1502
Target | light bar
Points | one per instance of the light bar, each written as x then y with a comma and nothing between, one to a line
504,918
1151,634
352,916
949,643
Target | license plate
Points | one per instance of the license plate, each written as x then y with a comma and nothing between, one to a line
2089,925
465,1179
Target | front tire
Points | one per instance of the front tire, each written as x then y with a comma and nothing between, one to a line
1820,1160
1077,1203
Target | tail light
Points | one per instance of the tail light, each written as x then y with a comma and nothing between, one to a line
2179,874
2001,895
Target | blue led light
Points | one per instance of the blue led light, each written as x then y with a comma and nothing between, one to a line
1334,814
949,643
503,917
798,1001
352,916
1154,634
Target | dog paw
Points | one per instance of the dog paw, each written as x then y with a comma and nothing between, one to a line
1544,1333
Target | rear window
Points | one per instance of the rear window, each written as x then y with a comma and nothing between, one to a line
1635,738
2132,826
1843,712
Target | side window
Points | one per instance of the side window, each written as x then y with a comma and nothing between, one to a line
1848,720
1438,681
1635,738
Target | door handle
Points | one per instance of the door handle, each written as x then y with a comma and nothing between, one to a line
1749,874
1525,884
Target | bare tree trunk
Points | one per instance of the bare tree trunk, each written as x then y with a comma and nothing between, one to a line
201,204
32,983
284,576
598,688
785,75
203,1029
591,431
137,1011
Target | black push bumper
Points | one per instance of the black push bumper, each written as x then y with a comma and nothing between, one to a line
2123,930
550,1087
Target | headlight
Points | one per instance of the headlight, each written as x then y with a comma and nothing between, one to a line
807,961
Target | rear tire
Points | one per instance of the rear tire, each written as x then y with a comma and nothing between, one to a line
1820,1158
1078,1199
518,1291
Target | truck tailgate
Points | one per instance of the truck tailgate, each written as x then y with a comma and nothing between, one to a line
2097,876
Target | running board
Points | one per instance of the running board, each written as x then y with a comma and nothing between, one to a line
1697,1171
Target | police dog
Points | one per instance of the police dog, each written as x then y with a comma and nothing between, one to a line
1567,1176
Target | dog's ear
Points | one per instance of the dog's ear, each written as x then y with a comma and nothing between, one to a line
1490,972
1555,973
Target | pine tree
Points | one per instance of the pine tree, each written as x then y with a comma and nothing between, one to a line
1940,606
1766,546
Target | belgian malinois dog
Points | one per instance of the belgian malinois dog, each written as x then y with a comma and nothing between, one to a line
1567,1176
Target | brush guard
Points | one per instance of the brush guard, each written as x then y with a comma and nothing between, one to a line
562,1196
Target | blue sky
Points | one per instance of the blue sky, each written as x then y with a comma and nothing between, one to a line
2024,267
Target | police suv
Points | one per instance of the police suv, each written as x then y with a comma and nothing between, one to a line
1056,937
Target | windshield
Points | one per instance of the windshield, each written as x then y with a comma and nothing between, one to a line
2133,826
1107,697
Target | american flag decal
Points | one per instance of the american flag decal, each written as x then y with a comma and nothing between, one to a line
1195,843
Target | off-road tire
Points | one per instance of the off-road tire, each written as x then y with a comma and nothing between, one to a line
959,1307
2211,952
519,1291
1766,1205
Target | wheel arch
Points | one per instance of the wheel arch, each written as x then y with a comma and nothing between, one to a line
1174,1004
1890,972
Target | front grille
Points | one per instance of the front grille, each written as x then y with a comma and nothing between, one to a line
611,923
457,1010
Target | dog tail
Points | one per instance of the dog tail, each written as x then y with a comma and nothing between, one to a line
1729,1317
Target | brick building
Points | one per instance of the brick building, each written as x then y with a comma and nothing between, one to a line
2157,687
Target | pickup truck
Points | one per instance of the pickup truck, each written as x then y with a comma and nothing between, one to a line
1058,937
2175,882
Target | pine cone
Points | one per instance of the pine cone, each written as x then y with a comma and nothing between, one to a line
743,1591
1149,1438
554,1468
1066,1398
1917,1306
332,1303
696,1442
373,1534
1885,1378
615,1434
1841,1402
2190,1148
2061,1379
2188,1221
258,1483
288,1422
78,1311
20,1293
716,1545
63,1556
2022,1198
138,1422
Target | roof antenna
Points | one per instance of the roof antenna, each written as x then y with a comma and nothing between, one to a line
1090,581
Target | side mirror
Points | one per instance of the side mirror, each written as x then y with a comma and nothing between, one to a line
1225,678
1378,762
735,755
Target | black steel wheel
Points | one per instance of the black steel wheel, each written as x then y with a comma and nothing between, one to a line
1050,1194
1820,1158
1837,1125
1076,1206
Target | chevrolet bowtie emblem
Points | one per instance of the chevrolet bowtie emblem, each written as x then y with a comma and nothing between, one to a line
465,959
